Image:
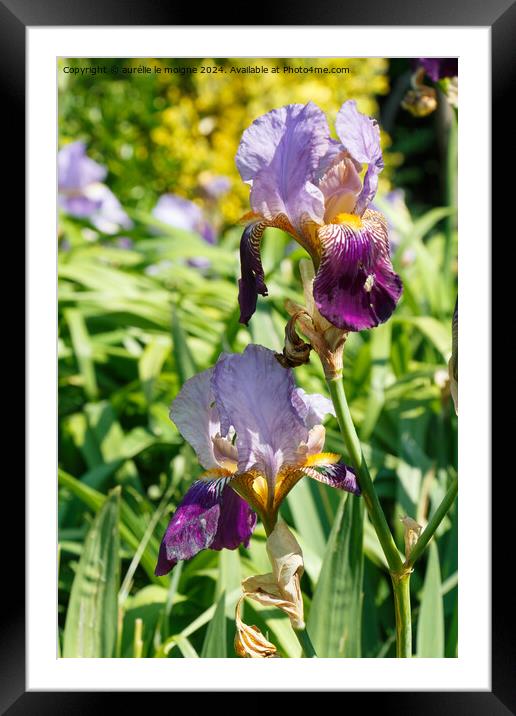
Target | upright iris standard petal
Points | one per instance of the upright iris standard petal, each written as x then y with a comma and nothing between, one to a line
360,135
341,187
210,515
254,395
279,155
312,408
195,414
252,281
356,287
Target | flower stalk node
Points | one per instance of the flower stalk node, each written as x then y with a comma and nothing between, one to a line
325,339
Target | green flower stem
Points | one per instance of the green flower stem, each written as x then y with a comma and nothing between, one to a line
451,194
306,644
434,523
401,586
371,500
399,576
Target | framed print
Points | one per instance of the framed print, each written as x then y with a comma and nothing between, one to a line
248,244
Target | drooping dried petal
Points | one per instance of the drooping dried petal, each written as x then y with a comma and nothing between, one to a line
250,643
281,587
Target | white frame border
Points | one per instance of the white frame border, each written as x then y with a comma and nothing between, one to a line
472,669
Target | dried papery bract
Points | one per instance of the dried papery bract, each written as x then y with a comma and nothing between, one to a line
250,643
281,587
412,530
421,100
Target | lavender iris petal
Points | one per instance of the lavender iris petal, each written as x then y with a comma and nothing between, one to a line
196,416
253,394
360,135
279,156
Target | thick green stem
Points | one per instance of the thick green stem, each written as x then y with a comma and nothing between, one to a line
306,644
434,523
451,195
401,586
400,578
371,500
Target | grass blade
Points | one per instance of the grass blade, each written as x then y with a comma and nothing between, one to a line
91,621
185,362
334,623
214,646
430,628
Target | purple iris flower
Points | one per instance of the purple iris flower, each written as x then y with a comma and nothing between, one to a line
437,68
214,186
183,214
256,435
82,194
309,184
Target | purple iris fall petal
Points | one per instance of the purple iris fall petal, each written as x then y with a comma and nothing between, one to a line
356,287
211,515
360,135
76,170
279,155
340,476
196,416
252,281
254,395
439,67
236,522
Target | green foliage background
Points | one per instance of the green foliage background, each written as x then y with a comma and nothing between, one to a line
135,323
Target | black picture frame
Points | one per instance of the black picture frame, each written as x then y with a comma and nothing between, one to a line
500,16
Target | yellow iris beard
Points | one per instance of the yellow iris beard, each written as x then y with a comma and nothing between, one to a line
350,219
321,458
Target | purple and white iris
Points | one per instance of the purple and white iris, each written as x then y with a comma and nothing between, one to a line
310,185
256,435
81,192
